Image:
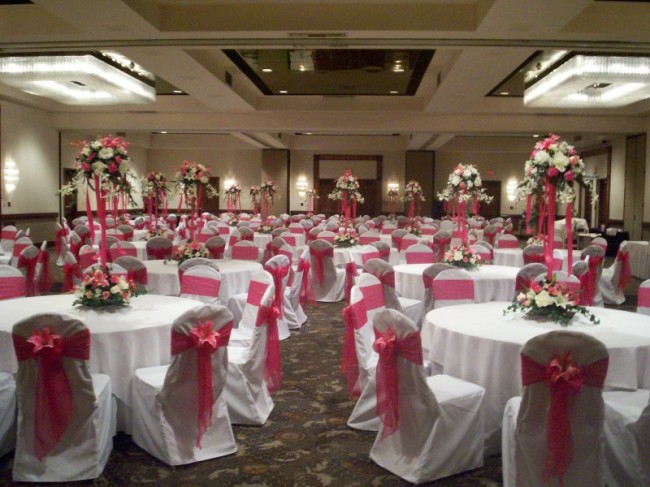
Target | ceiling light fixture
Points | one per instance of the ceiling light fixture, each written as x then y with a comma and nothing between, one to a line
283,92
267,70
394,92
79,79
592,81
178,92
504,93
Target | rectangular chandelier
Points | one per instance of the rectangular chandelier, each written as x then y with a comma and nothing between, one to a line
592,81
79,79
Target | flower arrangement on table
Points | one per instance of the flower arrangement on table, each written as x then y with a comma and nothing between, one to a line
413,191
537,239
413,230
156,232
550,176
346,188
155,189
265,229
101,288
232,196
346,239
189,250
552,300
462,256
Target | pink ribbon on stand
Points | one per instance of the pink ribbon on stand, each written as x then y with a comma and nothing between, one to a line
569,234
319,255
388,346
53,401
205,341
564,379
272,366
550,191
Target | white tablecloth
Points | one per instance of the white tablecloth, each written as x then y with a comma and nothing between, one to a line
137,235
639,258
140,248
479,344
491,282
579,225
235,276
261,239
515,257
344,255
123,339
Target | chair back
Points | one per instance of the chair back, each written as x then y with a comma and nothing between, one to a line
326,235
246,234
120,248
508,241
451,287
87,256
419,254
159,248
216,246
388,228
428,275
441,242
279,267
297,228
12,282
366,238
26,264
369,252
533,254
527,275
643,302
245,250
206,233
571,282
126,231
136,271
384,250
289,239
484,253
600,241
490,232
7,238
396,238
194,261
84,232
429,230
594,255
407,241
235,237
323,270
373,294
384,271
202,283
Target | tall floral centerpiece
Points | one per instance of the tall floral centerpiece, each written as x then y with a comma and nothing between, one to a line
413,196
551,175
103,167
267,196
312,196
192,182
254,194
464,186
154,191
346,192
233,198
392,194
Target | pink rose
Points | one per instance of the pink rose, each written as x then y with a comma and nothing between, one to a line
568,176
106,295
553,172
112,167
118,159
85,167
91,156
462,185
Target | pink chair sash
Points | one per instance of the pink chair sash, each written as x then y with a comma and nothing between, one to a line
233,240
139,226
306,293
602,246
223,230
59,233
557,263
522,283
589,281
268,315
452,289
30,273
508,244
485,256
70,271
216,251
387,279
397,241
116,252
289,239
572,286
427,281
8,234
53,402
419,258
319,255
200,285
368,240
533,258
12,287
45,280
327,239
366,256
87,259
428,231
18,248
626,274
246,237
350,274
388,346
442,244
205,341
373,296
279,273
384,254
245,253
159,253
349,361
137,275
489,236
564,379
298,231
644,297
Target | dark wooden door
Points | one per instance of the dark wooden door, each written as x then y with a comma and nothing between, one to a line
603,202
212,204
70,200
367,187
493,210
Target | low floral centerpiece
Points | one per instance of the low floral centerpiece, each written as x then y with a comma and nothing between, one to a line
189,250
551,300
265,229
462,256
157,232
101,288
537,239
413,230
346,239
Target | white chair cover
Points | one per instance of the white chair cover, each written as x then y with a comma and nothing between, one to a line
245,250
643,299
437,428
613,280
159,248
428,275
121,248
331,288
7,413
83,449
408,239
7,238
366,238
525,448
201,283
135,271
12,282
507,241
87,256
168,421
296,316
451,287
418,254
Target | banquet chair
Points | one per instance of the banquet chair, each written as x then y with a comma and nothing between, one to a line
484,253
201,283
408,239
206,233
26,264
72,273
388,228
558,260
428,230
80,220
370,252
369,237
440,244
120,248
12,282
591,295
558,243
284,249
87,256
600,241
627,438
327,281
179,411
507,241
289,238
110,241
613,280
553,433
59,237
245,217
110,222
84,232
361,228
386,274
194,261
508,229
490,233
136,271
643,302
332,226
7,413
431,427
254,369
63,433
245,250
126,231
533,254
216,246
159,248
396,237
223,229
19,245
527,275
485,244
279,231
243,224
43,274
402,221
7,238
235,237
138,223
74,243
294,292
313,234
326,235
246,234
451,287
428,275
418,254
296,228
384,250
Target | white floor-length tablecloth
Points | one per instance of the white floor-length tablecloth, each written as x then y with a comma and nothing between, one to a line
344,255
491,282
262,239
479,344
163,279
639,258
123,339
137,234
515,257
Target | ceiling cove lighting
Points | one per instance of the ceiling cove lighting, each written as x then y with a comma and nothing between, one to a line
79,79
586,81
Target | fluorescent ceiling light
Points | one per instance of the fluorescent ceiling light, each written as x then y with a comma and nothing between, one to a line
597,81
78,79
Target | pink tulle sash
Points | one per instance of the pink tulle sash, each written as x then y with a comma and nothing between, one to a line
366,256
272,366
245,253
373,296
200,285
453,289
419,258
12,287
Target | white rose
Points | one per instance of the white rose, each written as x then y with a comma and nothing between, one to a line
204,180
543,299
106,153
458,255
560,161
455,180
123,168
95,145
85,151
98,167
478,181
469,184
467,173
542,157
115,289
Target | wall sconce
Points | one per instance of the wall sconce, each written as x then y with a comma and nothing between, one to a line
229,182
392,186
301,184
511,189
11,176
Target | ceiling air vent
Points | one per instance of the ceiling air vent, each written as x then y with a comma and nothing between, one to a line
318,35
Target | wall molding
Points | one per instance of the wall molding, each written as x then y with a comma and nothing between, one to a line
5,218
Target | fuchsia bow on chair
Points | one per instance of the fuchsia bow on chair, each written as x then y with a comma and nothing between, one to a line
217,251
589,281
205,341
137,275
318,255
200,286
306,292
272,367
59,233
30,272
279,273
564,379
388,346
626,274
53,405
387,279
70,271
349,361
350,274
159,253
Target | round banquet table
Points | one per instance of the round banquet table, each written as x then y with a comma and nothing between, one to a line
348,254
477,343
262,239
515,257
123,339
491,282
162,277
137,235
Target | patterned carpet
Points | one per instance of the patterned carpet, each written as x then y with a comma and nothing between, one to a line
305,442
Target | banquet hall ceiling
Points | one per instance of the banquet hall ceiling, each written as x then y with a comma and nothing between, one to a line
474,47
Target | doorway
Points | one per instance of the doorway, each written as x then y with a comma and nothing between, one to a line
493,210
